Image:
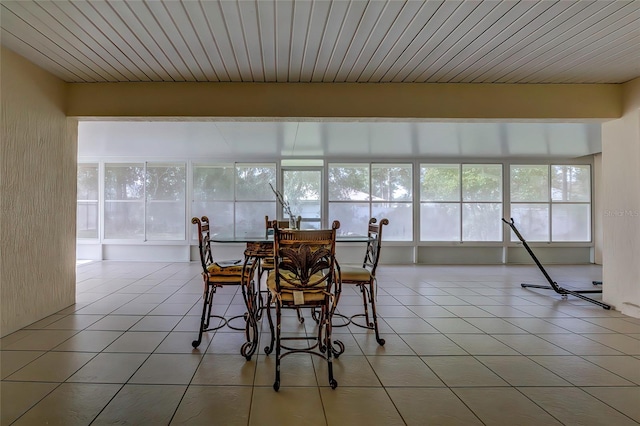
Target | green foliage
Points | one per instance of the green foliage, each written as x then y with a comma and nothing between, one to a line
88,182
571,183
252,182
481,182
165,182
391,182
124,181
213,183
530,183
301,185
440,182
347,180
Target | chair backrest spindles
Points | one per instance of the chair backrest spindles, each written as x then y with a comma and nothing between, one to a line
204,241
372,255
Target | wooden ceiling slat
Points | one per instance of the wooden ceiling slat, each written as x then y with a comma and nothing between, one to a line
589,35
190,39
461,23
317,25
522,29
267,23
248,15
464,62
209,44
172,31
107,43
42,45
409,50
151,45
469,41
368,23
79,55
283,19
337,14
404,27
149,65
379,33
234,30
576,74
17,44
299,34
601,53
160,38
218,28
555,31
508,41
348,30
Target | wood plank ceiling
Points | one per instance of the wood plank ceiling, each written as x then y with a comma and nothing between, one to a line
374,41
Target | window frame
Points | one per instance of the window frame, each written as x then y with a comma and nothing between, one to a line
461,202
370,200
550,202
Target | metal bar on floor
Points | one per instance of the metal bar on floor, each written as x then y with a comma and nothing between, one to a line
552,284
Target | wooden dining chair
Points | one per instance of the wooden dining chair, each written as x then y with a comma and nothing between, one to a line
215,274
365,277
305,275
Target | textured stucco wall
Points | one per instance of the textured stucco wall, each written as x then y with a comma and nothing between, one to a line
38,195
621,205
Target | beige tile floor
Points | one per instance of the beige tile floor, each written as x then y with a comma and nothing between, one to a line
465,345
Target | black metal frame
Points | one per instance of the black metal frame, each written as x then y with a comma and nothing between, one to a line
305,262
367,288
211,285
552,284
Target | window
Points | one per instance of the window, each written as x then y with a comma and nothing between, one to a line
236,198
530,201
87,207
460,202
254,199
360,191
165,195
571,203
440,202
551,203
302,190
124,201
213,196
144,201
481,202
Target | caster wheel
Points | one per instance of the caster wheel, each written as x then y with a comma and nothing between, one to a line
333,383
381,342
276,385
195,343
301,320
267,350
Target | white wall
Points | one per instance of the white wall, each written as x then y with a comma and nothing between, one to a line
38,193
621,205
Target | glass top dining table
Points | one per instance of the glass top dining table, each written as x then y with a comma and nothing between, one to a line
257,248
269,239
